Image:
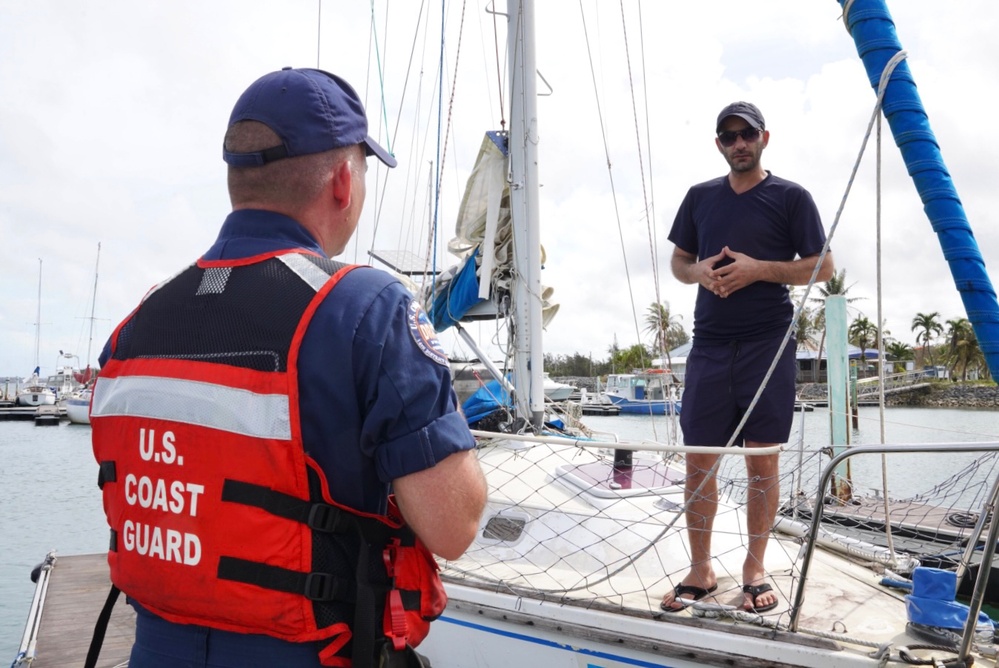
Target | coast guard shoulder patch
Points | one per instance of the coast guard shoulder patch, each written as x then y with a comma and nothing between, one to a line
424,334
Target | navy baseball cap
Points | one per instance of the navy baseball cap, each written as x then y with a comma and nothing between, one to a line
310,110
747,111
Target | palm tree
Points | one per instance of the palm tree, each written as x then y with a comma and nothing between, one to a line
926,325
834,286
863,334
805,327
667,332
963,345
899,352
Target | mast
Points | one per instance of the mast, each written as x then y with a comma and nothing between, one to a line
528,349
38,320
93,304
871,26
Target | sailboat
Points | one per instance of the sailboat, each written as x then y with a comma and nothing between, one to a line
581,537
77,404
34,392
582,534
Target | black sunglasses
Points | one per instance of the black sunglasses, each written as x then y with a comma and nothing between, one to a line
749,135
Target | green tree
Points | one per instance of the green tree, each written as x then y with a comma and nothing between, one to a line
635,357
926,326
899,352
806,327
963,349
864,334
666,329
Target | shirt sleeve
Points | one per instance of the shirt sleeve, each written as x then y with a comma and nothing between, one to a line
684,233
409,420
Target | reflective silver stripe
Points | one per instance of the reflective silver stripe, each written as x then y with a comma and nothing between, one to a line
191,402
305,269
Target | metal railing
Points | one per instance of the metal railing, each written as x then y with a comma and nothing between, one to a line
990,509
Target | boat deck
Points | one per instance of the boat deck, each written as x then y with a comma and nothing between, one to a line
78,587
940,523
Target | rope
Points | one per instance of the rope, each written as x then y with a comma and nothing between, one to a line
641,164
610,172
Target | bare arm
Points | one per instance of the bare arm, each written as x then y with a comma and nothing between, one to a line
443,504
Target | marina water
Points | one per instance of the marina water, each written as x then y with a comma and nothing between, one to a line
49,498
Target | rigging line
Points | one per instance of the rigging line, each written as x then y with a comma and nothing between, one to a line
610,173
383,191
380,71
454,86
432,231
881,342
651,209
641,163
319,30
499,73
380,189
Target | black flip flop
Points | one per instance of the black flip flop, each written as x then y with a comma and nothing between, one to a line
755,591
697,592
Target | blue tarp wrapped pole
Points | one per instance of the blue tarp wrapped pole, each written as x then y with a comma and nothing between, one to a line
873,31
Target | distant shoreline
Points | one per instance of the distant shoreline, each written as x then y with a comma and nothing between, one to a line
939,394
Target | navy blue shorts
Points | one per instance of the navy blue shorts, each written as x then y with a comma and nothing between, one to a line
719,384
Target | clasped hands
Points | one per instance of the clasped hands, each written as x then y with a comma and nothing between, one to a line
725,279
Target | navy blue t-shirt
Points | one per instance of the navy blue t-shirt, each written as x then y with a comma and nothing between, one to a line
777,220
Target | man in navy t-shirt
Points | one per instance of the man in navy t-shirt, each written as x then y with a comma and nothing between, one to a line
742,238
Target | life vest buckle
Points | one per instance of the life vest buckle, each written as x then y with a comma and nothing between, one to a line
320,586
326,518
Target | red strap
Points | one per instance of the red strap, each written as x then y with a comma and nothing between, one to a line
389,557
327,655
396,628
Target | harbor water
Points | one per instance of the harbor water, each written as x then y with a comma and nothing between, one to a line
49,498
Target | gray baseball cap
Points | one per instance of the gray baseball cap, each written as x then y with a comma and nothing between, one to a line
747,111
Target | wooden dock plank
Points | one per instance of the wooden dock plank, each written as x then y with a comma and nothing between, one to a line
78,587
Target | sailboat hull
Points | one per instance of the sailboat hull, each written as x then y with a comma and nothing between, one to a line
488,628
78,407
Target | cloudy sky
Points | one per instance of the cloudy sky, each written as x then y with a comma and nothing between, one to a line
113,111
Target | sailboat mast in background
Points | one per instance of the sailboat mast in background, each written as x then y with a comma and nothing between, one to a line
528,351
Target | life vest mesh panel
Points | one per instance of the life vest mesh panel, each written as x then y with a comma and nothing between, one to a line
221,315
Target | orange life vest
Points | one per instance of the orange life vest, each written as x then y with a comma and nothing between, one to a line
218,516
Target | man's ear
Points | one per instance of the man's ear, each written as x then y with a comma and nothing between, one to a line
342,183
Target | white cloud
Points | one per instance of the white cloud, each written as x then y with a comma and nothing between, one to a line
113,114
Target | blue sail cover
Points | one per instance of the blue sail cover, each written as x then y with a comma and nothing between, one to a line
452,300
485,400
873,31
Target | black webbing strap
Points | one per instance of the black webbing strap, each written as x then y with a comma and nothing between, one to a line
101,628
367,621
314,586
318,516
106,473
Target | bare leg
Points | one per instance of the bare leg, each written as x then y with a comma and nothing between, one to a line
763,499
700,513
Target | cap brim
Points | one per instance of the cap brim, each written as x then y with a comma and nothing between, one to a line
374,148
746,117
